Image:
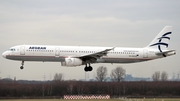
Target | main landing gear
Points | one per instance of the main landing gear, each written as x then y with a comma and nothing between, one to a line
88,68
22,63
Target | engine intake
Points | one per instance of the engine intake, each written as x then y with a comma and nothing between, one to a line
71,62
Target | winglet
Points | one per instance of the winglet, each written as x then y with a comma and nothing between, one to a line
110,49
97,54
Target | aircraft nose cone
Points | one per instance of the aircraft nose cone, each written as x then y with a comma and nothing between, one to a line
4,55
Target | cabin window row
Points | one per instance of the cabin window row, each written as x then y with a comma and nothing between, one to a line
95,52
78,51
122,52
67,51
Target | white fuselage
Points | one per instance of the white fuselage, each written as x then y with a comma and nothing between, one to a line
59,53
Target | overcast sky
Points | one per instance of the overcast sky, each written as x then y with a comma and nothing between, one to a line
122,23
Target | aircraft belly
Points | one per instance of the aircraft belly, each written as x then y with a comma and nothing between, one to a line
36,58
122,60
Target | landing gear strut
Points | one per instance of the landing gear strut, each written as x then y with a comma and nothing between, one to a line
22,63
88,68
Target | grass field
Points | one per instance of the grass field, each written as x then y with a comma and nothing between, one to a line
159,99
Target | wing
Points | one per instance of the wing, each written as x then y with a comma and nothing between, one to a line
92,57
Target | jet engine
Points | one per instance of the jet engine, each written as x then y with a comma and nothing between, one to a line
71,62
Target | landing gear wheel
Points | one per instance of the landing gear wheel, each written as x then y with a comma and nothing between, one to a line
88,68
21,67
22,63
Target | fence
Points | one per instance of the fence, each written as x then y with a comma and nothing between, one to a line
86,96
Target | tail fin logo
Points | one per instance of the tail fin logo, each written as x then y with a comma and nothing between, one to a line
159,43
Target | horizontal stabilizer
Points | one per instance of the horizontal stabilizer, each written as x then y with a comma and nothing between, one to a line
169,52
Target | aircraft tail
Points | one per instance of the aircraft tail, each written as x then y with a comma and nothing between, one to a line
161,41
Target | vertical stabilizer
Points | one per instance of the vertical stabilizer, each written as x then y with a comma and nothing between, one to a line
161,41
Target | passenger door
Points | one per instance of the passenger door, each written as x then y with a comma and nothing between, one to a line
22,50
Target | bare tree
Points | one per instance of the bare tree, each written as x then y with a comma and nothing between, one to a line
178,76
118,74
156,76
70,88
173,76
58,77
101,73
164,76
81,88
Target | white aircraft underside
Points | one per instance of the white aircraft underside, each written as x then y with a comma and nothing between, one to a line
84,55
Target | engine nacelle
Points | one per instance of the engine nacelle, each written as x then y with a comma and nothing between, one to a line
71,62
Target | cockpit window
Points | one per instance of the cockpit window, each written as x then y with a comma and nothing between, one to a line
12,49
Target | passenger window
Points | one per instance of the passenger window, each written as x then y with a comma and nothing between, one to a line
12,49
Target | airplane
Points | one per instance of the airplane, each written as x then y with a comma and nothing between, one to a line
72,56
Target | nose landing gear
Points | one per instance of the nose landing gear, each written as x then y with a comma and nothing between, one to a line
22,63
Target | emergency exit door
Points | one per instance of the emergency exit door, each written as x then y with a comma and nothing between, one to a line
57,52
